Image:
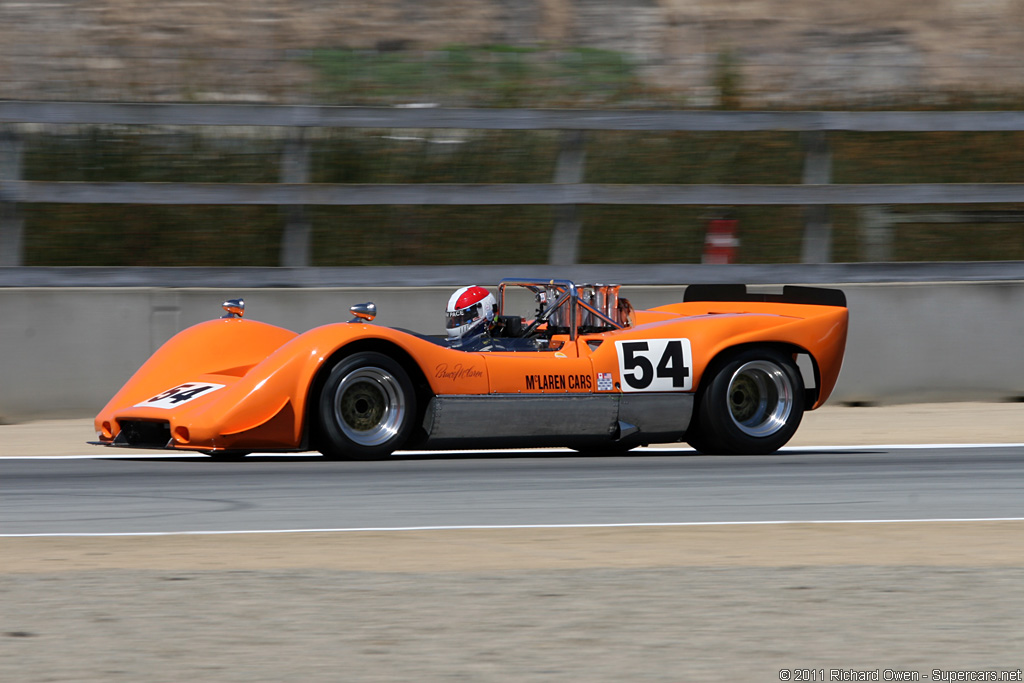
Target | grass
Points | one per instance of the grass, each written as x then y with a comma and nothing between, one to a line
488,75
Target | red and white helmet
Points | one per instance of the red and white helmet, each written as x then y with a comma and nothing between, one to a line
469,310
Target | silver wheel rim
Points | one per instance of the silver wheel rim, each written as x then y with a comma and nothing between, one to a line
369,406
760,398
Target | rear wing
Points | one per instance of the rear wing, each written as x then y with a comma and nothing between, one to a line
791,294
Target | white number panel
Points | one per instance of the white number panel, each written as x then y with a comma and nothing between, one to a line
183,393
655,364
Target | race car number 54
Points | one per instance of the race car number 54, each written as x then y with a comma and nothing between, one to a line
655,365
182,393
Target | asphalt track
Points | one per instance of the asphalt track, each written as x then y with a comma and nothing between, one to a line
549,582
142,494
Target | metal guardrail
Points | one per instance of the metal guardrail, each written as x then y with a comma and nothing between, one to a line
567,190
501,119
65,192
448,277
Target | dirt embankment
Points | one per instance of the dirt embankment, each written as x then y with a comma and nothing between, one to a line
683,604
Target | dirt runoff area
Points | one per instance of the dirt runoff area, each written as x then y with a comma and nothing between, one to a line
888,601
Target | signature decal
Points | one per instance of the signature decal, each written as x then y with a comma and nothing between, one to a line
457,372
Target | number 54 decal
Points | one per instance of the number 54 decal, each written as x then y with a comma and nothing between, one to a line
655,365
182,393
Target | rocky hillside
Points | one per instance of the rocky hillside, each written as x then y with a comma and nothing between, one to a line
752,52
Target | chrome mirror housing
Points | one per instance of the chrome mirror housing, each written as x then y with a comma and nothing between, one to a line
364,312
235,308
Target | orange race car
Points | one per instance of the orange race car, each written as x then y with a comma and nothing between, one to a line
576,367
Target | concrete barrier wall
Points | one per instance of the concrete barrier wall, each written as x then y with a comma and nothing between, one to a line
65,351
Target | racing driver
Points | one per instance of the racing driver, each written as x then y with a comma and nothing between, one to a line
470,316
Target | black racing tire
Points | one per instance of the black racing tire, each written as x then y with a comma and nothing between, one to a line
751,404
367,408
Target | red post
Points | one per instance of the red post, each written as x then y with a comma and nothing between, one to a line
720,241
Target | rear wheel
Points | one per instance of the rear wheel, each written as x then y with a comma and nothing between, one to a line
752,404
367,408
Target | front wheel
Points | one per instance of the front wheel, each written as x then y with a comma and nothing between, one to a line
752,404
367,408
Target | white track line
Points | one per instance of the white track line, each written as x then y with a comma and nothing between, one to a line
495,527
128,455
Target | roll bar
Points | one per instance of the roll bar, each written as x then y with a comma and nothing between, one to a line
563,307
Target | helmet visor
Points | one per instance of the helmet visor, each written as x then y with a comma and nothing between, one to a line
463,316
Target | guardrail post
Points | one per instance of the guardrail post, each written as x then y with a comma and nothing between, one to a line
876,233
12,225
296,238
817,245
565,239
